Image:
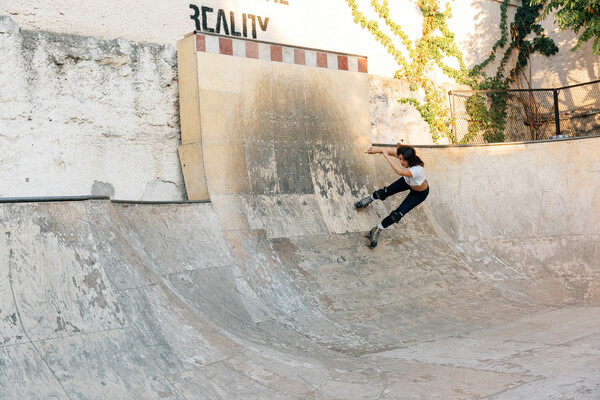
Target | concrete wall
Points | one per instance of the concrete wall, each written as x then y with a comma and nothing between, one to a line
391,121
273,151
81,115
269,292
313,23
476,25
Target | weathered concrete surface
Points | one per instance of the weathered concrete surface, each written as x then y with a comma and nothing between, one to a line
490,290
81,115
311,23
392,121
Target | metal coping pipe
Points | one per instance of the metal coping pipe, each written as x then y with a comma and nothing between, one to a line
62,199
425,146
160,202
50,199
524,90
196,32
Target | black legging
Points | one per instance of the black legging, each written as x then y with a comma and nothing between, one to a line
413,199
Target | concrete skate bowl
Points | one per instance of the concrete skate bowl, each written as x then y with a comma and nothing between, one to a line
490,289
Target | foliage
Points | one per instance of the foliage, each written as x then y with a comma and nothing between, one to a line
525,23
437,46
519,50
477,69
475,107
491,120
576,15
429,112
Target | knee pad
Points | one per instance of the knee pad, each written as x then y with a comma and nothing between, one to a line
396,216
380,194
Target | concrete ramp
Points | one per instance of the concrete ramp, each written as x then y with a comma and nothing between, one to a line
491,289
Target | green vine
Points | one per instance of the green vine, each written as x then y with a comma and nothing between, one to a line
429,50
437,45
525,23
578,16
476,70
491,121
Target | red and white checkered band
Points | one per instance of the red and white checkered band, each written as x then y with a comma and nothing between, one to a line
279,53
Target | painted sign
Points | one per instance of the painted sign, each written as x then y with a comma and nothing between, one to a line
230,23
315,24
227,25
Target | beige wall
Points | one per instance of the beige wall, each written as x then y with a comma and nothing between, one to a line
312,23
394,122
81,115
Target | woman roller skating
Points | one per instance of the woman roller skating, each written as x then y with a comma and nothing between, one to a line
412,178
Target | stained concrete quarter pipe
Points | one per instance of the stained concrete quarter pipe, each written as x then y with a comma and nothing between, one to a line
488,290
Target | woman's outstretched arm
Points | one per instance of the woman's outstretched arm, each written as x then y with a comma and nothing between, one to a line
381,150
399,169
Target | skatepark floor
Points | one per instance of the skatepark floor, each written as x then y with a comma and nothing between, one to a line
476,294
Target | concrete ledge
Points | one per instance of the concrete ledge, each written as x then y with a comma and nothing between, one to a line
50,199
268,51
63,199
487,144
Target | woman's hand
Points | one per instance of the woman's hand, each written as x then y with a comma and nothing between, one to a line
374,150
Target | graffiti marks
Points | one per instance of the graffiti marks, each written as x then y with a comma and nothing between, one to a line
203,17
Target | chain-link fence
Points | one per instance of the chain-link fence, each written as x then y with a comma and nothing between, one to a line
491,116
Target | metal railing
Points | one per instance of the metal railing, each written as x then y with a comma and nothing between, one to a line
494,116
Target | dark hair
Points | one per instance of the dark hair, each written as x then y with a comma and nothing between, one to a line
410,155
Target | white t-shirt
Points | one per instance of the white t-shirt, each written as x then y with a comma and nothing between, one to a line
418,176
